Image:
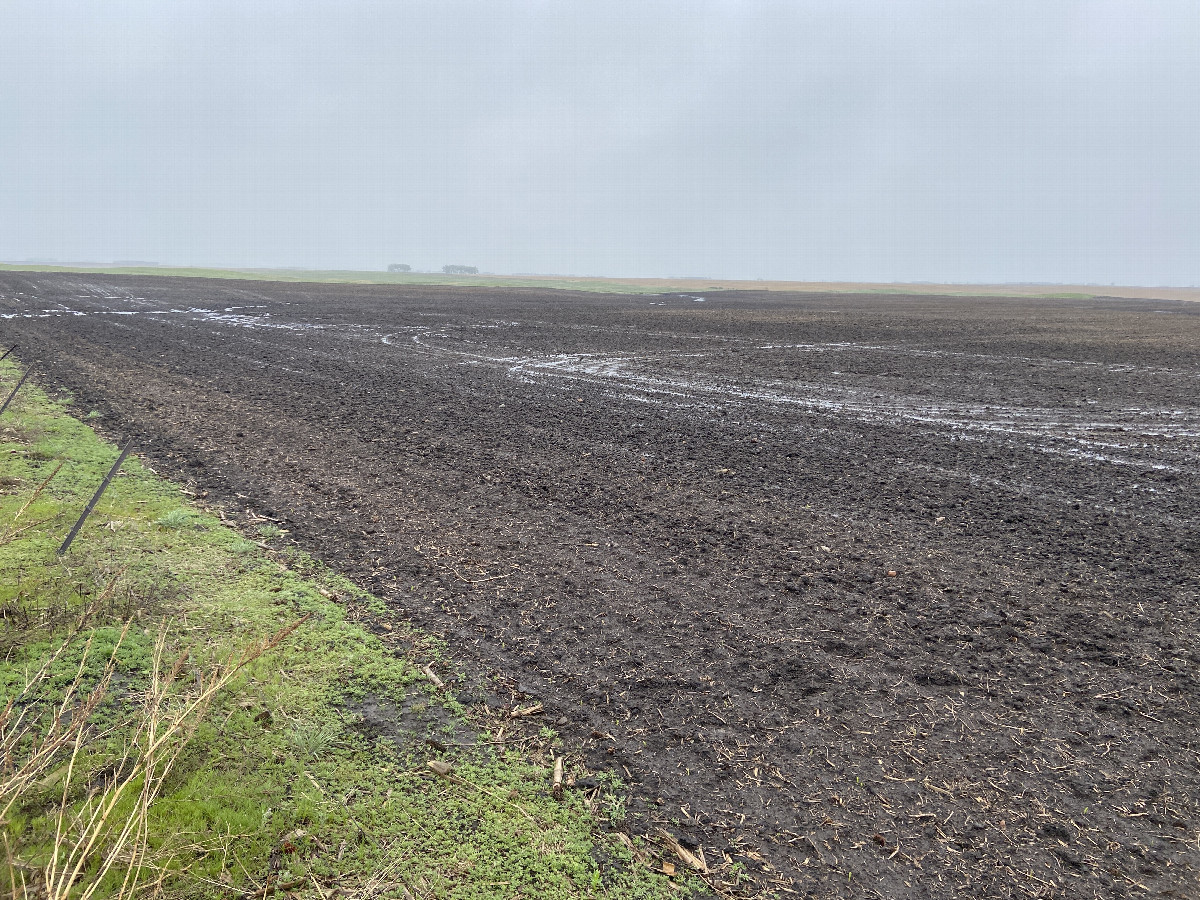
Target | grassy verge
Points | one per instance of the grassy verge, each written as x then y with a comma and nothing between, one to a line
188,711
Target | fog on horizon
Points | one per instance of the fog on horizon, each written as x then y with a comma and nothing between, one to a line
1048,141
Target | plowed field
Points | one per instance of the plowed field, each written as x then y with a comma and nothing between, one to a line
869,595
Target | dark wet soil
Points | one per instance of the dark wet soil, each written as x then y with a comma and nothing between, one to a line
862,595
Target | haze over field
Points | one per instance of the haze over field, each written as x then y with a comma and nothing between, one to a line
866,141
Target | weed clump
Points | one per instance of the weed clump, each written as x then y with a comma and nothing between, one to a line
176,518
270,532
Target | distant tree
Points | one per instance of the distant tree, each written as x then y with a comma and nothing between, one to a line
460,270
399,267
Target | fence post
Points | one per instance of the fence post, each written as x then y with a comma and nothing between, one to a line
66,545
4,406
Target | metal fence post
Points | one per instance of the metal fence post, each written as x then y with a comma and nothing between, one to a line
66,545
14,393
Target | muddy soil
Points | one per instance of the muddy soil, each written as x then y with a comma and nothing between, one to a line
862,595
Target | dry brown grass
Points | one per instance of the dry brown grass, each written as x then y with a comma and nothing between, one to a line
13,528
110,828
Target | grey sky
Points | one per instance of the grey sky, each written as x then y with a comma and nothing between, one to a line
891,140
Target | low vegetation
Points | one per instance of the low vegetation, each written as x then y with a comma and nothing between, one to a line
188,712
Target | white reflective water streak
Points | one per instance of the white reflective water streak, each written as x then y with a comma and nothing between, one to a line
1054,430
1081,434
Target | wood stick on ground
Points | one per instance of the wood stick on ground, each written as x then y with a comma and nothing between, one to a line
445,770
686,856
556,781
462,577
526,711
627,842
432,676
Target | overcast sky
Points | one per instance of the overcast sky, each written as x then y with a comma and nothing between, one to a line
889,141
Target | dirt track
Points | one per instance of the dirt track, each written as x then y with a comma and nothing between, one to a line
873,596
